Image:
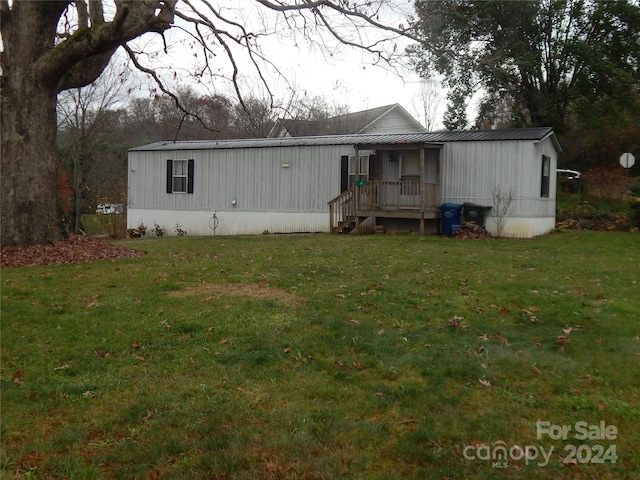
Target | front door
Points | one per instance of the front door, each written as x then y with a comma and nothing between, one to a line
410,176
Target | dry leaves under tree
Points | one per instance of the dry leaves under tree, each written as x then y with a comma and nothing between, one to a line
74,249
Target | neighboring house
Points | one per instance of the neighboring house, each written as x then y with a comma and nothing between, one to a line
333,183
387,119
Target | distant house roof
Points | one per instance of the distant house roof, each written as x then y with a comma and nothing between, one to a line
348,124
532,134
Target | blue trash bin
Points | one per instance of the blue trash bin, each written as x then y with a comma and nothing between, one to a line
450,214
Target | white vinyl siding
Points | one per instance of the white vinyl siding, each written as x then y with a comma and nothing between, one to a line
255,178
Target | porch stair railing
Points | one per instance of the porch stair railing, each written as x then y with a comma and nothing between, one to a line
342,212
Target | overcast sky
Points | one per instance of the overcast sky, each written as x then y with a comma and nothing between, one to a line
342,75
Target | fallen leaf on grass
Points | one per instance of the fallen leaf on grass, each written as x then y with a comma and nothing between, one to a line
17,377
484,383
562,340
502,340
568,329
61,367
536,370
455,322
139,358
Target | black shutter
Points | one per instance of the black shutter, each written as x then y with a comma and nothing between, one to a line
169,176
190,171
372,167
344,173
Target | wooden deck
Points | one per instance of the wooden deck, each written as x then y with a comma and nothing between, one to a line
385,200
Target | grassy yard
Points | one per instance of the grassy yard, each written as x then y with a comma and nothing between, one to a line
327,357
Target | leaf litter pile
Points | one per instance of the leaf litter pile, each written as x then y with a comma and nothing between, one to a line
75,249
471,230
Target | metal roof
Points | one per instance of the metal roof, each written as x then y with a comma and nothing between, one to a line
531,134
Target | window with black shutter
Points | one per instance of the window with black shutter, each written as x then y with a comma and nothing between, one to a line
180,176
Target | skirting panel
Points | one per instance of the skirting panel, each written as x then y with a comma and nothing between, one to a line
202,223
523,227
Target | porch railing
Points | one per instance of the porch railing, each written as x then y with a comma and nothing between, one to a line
382,196
397,195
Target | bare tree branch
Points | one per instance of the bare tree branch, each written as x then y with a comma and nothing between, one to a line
353,12
153,74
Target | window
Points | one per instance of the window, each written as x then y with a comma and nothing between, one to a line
363,161
546,175
180,176
349,167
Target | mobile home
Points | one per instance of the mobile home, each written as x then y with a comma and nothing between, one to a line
343,182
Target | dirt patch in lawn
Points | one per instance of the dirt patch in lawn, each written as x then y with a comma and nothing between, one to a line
256,291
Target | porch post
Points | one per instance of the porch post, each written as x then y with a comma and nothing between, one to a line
423,193
356,188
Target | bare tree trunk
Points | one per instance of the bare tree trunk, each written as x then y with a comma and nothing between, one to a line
29,192
30,203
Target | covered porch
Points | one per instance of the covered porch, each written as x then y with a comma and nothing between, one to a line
395,181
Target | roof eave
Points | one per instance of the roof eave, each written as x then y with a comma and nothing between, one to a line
554,140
